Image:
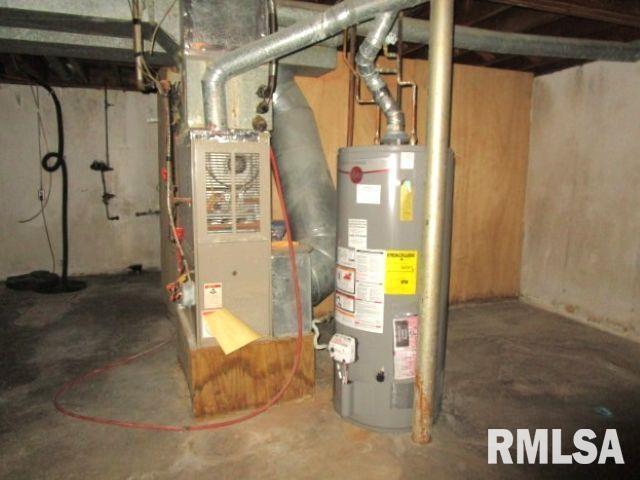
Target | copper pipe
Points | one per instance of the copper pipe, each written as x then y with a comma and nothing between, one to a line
401,83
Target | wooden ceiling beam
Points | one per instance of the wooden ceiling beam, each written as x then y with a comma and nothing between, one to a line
514,20
471,12
620,12
519,20
552,66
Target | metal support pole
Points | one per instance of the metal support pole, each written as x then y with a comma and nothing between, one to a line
138,44
434,236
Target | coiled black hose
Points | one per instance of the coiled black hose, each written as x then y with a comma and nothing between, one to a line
59,163
42,281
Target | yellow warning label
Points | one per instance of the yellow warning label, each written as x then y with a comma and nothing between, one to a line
406,201
401,272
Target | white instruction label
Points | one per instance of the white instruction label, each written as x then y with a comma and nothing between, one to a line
347,257
357,230
407,160
369,316
368,194
212,295
369,305
345,318
370,292
371,265
346,279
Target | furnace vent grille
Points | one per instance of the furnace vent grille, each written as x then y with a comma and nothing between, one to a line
232,192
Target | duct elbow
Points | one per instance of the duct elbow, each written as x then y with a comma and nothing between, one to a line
214,97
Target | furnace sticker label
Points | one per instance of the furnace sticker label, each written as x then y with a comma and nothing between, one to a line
346,279
405,339
357,230
345,302
347,257
212,295
368,194
401,272
369,305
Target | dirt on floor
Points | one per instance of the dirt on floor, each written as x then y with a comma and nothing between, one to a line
508,366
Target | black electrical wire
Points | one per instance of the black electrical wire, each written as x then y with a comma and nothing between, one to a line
43,200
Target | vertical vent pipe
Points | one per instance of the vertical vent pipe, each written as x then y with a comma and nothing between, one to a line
366,62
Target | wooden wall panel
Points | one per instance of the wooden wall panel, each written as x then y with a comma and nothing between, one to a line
490,136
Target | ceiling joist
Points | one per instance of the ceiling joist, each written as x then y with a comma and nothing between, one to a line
619,12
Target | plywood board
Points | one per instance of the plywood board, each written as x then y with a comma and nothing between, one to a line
490,136
249,377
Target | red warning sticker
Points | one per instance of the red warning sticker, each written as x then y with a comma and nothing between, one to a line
346,279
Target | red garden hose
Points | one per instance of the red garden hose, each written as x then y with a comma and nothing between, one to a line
206,426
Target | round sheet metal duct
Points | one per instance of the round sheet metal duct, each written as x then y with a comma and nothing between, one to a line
307,184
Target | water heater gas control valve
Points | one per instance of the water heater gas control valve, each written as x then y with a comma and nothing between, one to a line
342,348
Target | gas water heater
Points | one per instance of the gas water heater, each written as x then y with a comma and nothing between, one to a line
380,205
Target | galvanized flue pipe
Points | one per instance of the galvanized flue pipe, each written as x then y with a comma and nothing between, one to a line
366,62
287,40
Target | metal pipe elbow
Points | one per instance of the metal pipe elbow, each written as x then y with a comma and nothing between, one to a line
214,96
365,62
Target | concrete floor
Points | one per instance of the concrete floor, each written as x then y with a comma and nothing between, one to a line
508,366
